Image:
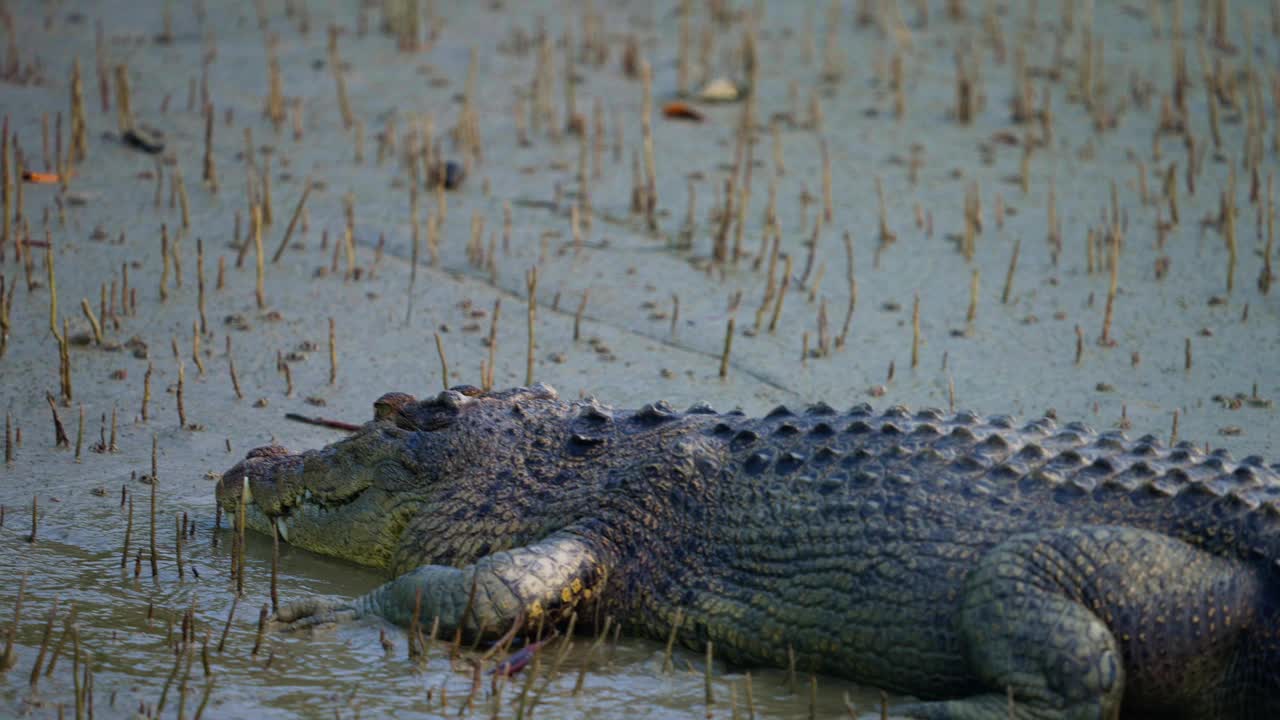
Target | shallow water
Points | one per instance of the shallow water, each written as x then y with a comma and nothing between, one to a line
127,627
1018,357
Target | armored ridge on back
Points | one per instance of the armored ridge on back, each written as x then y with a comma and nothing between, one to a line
955,558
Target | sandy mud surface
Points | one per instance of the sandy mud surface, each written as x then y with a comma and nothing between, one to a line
1042,217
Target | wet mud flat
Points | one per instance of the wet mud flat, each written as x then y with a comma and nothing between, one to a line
216,214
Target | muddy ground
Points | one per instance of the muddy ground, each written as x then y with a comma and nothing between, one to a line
1097,154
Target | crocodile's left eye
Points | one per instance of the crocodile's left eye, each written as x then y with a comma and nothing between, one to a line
391,404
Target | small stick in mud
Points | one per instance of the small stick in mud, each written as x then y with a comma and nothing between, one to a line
853,289
183,205
261,628
177,526
1266,276
462,619
35,522
972,313
155,481
146,391
577,317
431,639
226,628
53,292
293,221
322,422
80,433
1105,338
81,686
415,643
10,656
1229,231
826,183
209,171
260,290
241,244
204,654
646,129
275,569
178,394
531,283
1186,355
164,262
93,320
204,699
444,363
195,346
59,432
415,250
288,379
231,366
128,535
267,215
487,380
333,353
671,640
728,347
44,645
782,294
1008,277
67,623
591,651
65,357
706,679
524,689
239,559
915,333
168,683
1024,165
887,236
200,306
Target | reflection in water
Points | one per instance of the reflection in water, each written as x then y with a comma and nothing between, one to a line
130,626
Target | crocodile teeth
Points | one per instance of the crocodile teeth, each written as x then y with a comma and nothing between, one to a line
282,529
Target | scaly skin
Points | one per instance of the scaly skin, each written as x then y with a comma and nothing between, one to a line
957,559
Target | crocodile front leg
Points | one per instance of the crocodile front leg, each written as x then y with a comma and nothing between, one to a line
1076,622
541,582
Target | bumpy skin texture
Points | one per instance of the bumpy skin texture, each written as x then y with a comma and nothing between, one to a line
974,563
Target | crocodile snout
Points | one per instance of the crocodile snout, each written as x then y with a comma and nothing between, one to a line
259,475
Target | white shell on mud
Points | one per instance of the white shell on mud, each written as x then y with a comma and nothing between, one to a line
721,89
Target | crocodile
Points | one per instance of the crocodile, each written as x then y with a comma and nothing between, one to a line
986,567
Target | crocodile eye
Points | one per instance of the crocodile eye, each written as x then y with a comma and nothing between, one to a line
391,404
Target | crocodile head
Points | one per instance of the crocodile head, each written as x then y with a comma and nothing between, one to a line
355,499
